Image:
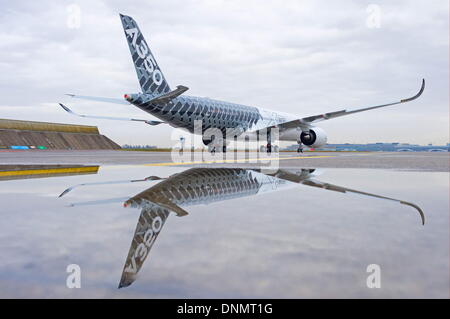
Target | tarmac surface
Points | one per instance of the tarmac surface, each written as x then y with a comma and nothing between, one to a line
159,226
420,161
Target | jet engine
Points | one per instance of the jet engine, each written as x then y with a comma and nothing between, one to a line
314,138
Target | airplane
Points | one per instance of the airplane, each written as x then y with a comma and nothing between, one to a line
200,185
218,120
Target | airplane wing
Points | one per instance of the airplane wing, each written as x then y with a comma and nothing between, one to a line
304,177
149,122
307,121
314,183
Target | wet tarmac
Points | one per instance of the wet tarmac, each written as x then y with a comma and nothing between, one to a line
421,161
224,230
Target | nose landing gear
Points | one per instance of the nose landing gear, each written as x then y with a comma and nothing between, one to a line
300,147
211,149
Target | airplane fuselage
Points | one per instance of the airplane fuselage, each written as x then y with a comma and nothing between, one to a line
187,111
203,186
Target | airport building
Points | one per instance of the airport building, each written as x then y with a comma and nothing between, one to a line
19,135
380,147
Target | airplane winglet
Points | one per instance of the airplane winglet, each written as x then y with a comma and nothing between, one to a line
422,215
417,95
67,109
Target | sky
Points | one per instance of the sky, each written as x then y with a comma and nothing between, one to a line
300,57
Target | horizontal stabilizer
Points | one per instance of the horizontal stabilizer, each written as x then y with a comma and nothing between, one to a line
166,97
98,202
147,179
99,99
172,207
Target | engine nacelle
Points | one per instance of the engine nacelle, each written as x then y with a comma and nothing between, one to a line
315,138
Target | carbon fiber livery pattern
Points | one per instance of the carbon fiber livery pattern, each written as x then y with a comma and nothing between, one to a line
149,225
198,115
204,185
230,118
148,72
183,111
192,187
200,185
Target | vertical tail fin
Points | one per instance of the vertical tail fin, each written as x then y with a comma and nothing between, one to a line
149,74
149,225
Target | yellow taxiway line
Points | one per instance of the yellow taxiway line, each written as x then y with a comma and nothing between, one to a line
63,170
243,160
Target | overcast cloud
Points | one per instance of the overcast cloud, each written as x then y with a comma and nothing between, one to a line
302,57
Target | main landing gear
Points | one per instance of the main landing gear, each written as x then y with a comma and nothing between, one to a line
270,147
214,148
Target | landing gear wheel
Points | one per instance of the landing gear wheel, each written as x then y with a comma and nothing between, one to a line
211,149
269,148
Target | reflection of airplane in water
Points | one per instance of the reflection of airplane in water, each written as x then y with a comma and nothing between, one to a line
196,186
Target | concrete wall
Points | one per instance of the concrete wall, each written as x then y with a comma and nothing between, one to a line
52,136
46,126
